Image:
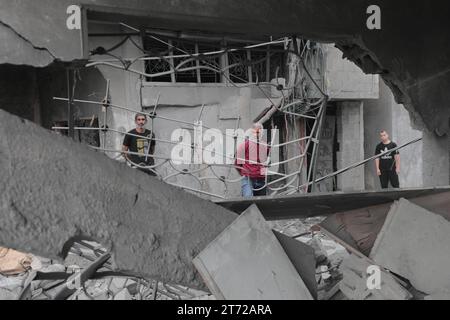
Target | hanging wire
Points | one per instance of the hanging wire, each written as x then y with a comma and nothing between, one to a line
289,105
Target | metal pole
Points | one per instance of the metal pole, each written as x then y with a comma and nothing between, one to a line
70,91
105,112
314,157
361,163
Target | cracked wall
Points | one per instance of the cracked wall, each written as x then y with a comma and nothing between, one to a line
18,50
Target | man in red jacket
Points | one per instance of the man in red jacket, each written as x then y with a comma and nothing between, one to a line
250,158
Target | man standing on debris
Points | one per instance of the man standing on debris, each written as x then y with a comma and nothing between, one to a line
388,165
140,142
250,158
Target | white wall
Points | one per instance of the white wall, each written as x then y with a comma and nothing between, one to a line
411,158
345,80
424,164
351,143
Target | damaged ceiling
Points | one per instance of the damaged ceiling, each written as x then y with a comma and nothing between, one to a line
410,51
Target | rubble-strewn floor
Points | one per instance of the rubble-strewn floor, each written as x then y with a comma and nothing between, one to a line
110,286
106,284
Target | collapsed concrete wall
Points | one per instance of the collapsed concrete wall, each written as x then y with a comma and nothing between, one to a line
54,189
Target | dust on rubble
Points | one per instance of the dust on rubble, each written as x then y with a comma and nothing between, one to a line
31,277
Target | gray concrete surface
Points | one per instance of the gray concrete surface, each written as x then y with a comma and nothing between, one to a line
311,205
53,189
423,164
414,243
247,262
355,279
359,228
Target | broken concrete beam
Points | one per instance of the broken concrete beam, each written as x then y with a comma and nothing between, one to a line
53,189
415,244
246,262
355,282
303,259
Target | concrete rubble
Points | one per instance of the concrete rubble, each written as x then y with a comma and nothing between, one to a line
246,261
147,223
108,232
415,244
315,257
46,276
332,274
107,285
13,262
407,239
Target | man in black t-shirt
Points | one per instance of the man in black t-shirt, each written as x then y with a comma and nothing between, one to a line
388,165
141,143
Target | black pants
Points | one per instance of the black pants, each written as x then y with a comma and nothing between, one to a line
389,176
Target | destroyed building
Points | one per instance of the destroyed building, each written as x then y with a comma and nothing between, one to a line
317,79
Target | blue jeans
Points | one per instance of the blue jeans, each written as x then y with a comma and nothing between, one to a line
249,185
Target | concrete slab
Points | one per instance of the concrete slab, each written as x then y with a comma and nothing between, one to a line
415,244
13,262
53,190
303,259
354,283
442,295
359,228
246,262
323,204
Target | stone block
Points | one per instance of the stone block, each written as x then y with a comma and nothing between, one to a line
415,244
246,261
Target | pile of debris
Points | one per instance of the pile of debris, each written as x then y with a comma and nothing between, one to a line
36,278
393,251
328,254
85,274
275,260
408,241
